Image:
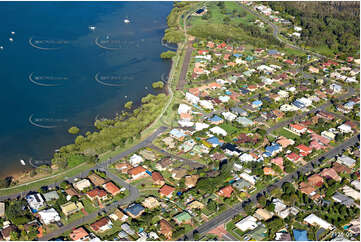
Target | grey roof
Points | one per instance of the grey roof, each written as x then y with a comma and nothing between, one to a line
343,199
241,184
348,161
53,195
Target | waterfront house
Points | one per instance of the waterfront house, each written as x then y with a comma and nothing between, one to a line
35,202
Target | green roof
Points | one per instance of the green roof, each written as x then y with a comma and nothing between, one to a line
182,217
259,233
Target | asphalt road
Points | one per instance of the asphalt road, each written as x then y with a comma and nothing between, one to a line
238,208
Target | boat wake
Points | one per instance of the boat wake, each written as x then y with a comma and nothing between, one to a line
104,47
105,83
41,48
41,84
39,125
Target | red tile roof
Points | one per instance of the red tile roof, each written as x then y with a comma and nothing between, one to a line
78,234
166,190
293,157
136,170
225,191
111,188
96,193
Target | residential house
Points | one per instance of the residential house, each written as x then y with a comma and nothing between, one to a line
192,98
118,215
71,207
284,142
137,172
191,181
183,218
248,178
248,223
269,171
97,193
206,104
195,205
297,128
329,135
35,202
79,234
101,225
218,131
135,210
229,116
344,128
312,219
135,160
263,214
339,168
241,185
257,104
279,162
177,134
335,88
49,216
272,149
150,202
313,69
166,191
225,191
283,236
72,192
325,115
345,200
304,150
157,178
330,173
96,180
315,180
127,229
348,191
51,196
216,120
164,164
123,167
239,111
293,157
179,173
166,229
2,209
111,188
346,160
244,121
7,231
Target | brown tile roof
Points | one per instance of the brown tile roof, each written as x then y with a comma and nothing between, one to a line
315,180
96,180
156,177
330,173
339,168
191,181
72,192
100,223
165,228
166,190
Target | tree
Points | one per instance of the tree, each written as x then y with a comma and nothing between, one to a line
128,105
167,54
158,84
73,130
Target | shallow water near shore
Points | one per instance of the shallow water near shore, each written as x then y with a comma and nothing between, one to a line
57,72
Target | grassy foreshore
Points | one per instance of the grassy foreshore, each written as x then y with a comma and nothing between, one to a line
28,182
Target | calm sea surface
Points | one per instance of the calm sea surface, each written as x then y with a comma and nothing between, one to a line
56,72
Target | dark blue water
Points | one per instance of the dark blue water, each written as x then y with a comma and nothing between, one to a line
58,73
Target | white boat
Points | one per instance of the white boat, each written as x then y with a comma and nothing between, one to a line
11,39
22,162
12,32
127,21
1,47
92,27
